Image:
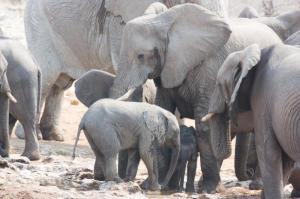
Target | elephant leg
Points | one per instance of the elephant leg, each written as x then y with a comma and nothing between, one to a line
148,157
4,126
175,179
133,164
210,180
295,181
270,161
99,168
256,183
122,163
111,172
31,141
191,173
12,122
181,174
50,119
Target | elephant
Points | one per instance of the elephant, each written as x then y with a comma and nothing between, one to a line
284,25
24,78
295,180
87,93
187,158
129,125
68,38
182,50
5,97
264,84
249,12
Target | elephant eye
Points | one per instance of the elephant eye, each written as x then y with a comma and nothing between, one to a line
141,57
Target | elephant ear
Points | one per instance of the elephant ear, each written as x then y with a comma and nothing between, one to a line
127,9
243,61
192,34
157,124
92,86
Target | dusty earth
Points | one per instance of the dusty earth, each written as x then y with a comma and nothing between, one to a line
57,176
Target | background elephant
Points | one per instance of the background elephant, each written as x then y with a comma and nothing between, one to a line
185,69
113,125
68,38
249,12
265,84
5,96
24,78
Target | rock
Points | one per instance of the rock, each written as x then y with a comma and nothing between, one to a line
3,163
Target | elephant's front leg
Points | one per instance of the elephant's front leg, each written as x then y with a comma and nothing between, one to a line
210,181
122,163
50,118
191,173
270,161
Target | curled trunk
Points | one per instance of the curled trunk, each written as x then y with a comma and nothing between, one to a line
173,163
220,137
4,126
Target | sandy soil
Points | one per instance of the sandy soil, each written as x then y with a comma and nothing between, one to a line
57,176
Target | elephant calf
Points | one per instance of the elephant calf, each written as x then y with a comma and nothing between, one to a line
187,158
113,125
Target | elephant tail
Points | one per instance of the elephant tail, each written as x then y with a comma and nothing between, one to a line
81,127
39,95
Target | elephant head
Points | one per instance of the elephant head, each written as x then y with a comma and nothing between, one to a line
284,25
5,96
165,129
168,45
230,97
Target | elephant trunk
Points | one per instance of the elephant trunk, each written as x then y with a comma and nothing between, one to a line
241,156
173,163
4,126
220,137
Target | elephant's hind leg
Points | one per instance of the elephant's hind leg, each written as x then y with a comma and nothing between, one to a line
111,172
12,122
50,119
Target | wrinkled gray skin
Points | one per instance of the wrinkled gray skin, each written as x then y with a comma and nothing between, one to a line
187,159
185,69
24,78
111,126
265,84
249,12
87,93
68,38
5,96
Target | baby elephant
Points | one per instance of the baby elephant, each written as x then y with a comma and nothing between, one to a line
187,158
112,125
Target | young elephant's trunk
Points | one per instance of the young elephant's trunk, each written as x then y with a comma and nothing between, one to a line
173,163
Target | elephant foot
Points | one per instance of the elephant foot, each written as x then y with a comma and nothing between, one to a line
295,194
256,185
32,155
99,177
118,180
52,133
210,186
154,187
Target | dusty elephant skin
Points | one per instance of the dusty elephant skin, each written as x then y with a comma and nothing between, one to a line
129,125
185,69
272,77
24,77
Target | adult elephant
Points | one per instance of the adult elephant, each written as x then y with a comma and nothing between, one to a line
182,49
69,37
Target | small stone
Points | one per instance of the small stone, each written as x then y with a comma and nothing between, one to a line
48,159
3,163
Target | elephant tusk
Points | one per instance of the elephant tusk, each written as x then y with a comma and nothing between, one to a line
11,97
207,117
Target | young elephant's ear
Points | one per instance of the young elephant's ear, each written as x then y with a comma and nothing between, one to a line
248,58
92,86
191,33
157,124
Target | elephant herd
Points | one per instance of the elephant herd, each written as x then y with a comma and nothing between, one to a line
236,77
